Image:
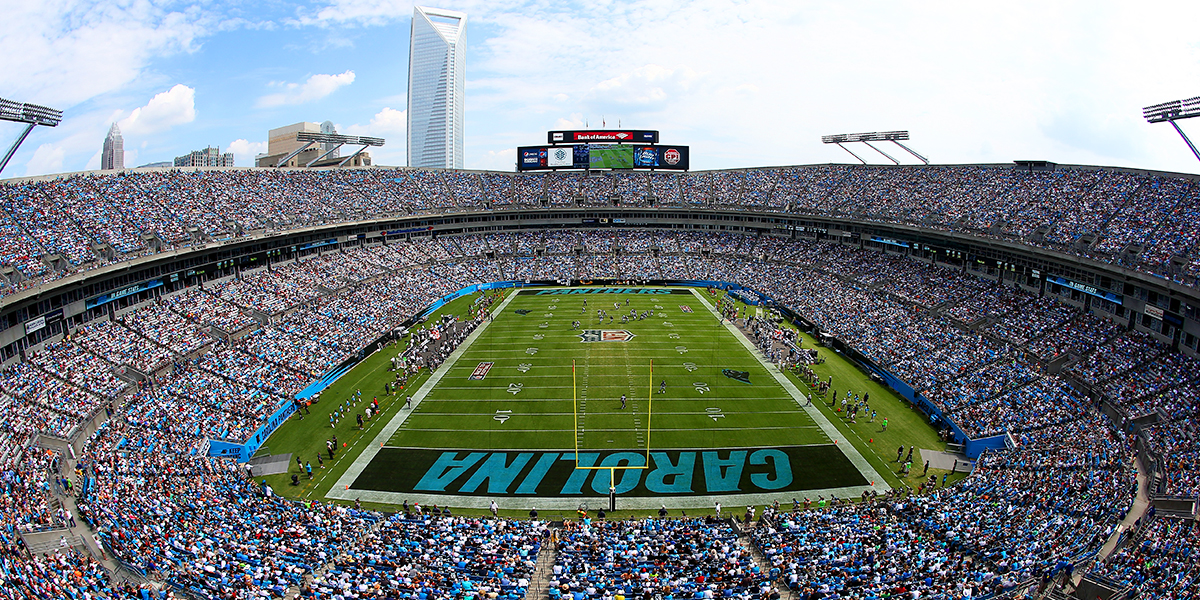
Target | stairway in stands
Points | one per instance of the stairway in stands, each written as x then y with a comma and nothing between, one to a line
764,564
539,582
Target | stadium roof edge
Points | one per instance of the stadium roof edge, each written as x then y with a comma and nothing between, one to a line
1008,165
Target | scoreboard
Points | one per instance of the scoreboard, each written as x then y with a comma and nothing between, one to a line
603,156
622,149
642,136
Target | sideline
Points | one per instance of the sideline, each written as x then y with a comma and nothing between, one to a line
341,488
831,431
342,491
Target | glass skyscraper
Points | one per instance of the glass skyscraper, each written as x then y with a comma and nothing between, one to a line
436,75
112,155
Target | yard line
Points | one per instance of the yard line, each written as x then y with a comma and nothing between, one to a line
623,430
539,414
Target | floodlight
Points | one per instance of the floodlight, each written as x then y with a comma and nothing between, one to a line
1172,111
30,114
338,140
874,136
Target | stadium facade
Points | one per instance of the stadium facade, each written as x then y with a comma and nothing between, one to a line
437,63
123,258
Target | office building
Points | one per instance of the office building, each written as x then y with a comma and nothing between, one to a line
436,81
112,156
327,127
282,141
208,157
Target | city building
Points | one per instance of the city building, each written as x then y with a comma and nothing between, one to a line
208,157
282,141
113,154
327,127
436,90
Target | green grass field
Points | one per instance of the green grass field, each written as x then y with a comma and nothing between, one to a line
524,402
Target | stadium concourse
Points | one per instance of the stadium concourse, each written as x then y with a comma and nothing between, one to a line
172,521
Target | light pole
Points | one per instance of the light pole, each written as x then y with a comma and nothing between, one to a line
1172,111
30,114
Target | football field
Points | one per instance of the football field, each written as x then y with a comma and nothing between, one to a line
530,406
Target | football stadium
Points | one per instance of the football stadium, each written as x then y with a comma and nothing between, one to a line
601,374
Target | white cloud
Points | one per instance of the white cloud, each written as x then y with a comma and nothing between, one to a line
745,82
66,52
646,87
389,124
758,82
315,88
93,163
48,158
388,121
364,12
572,122
165,110
504,159
244,151
74,140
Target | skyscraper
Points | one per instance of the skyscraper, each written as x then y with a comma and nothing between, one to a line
113,154
436,76
327,127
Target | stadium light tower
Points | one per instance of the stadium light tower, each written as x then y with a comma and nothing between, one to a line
866,138
334,141
30,114
1173,111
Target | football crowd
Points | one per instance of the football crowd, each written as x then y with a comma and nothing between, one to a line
1148,222
219,358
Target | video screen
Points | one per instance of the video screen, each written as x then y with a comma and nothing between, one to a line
604,156
531,158
645,156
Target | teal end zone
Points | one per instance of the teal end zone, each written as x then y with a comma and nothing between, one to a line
553,474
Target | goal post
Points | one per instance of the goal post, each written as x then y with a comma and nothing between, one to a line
649,415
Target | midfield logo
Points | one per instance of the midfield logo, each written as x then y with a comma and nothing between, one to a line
685,308
605,335
742,376
482,370
521,311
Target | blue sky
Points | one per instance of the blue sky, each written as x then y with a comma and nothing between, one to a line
745,83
